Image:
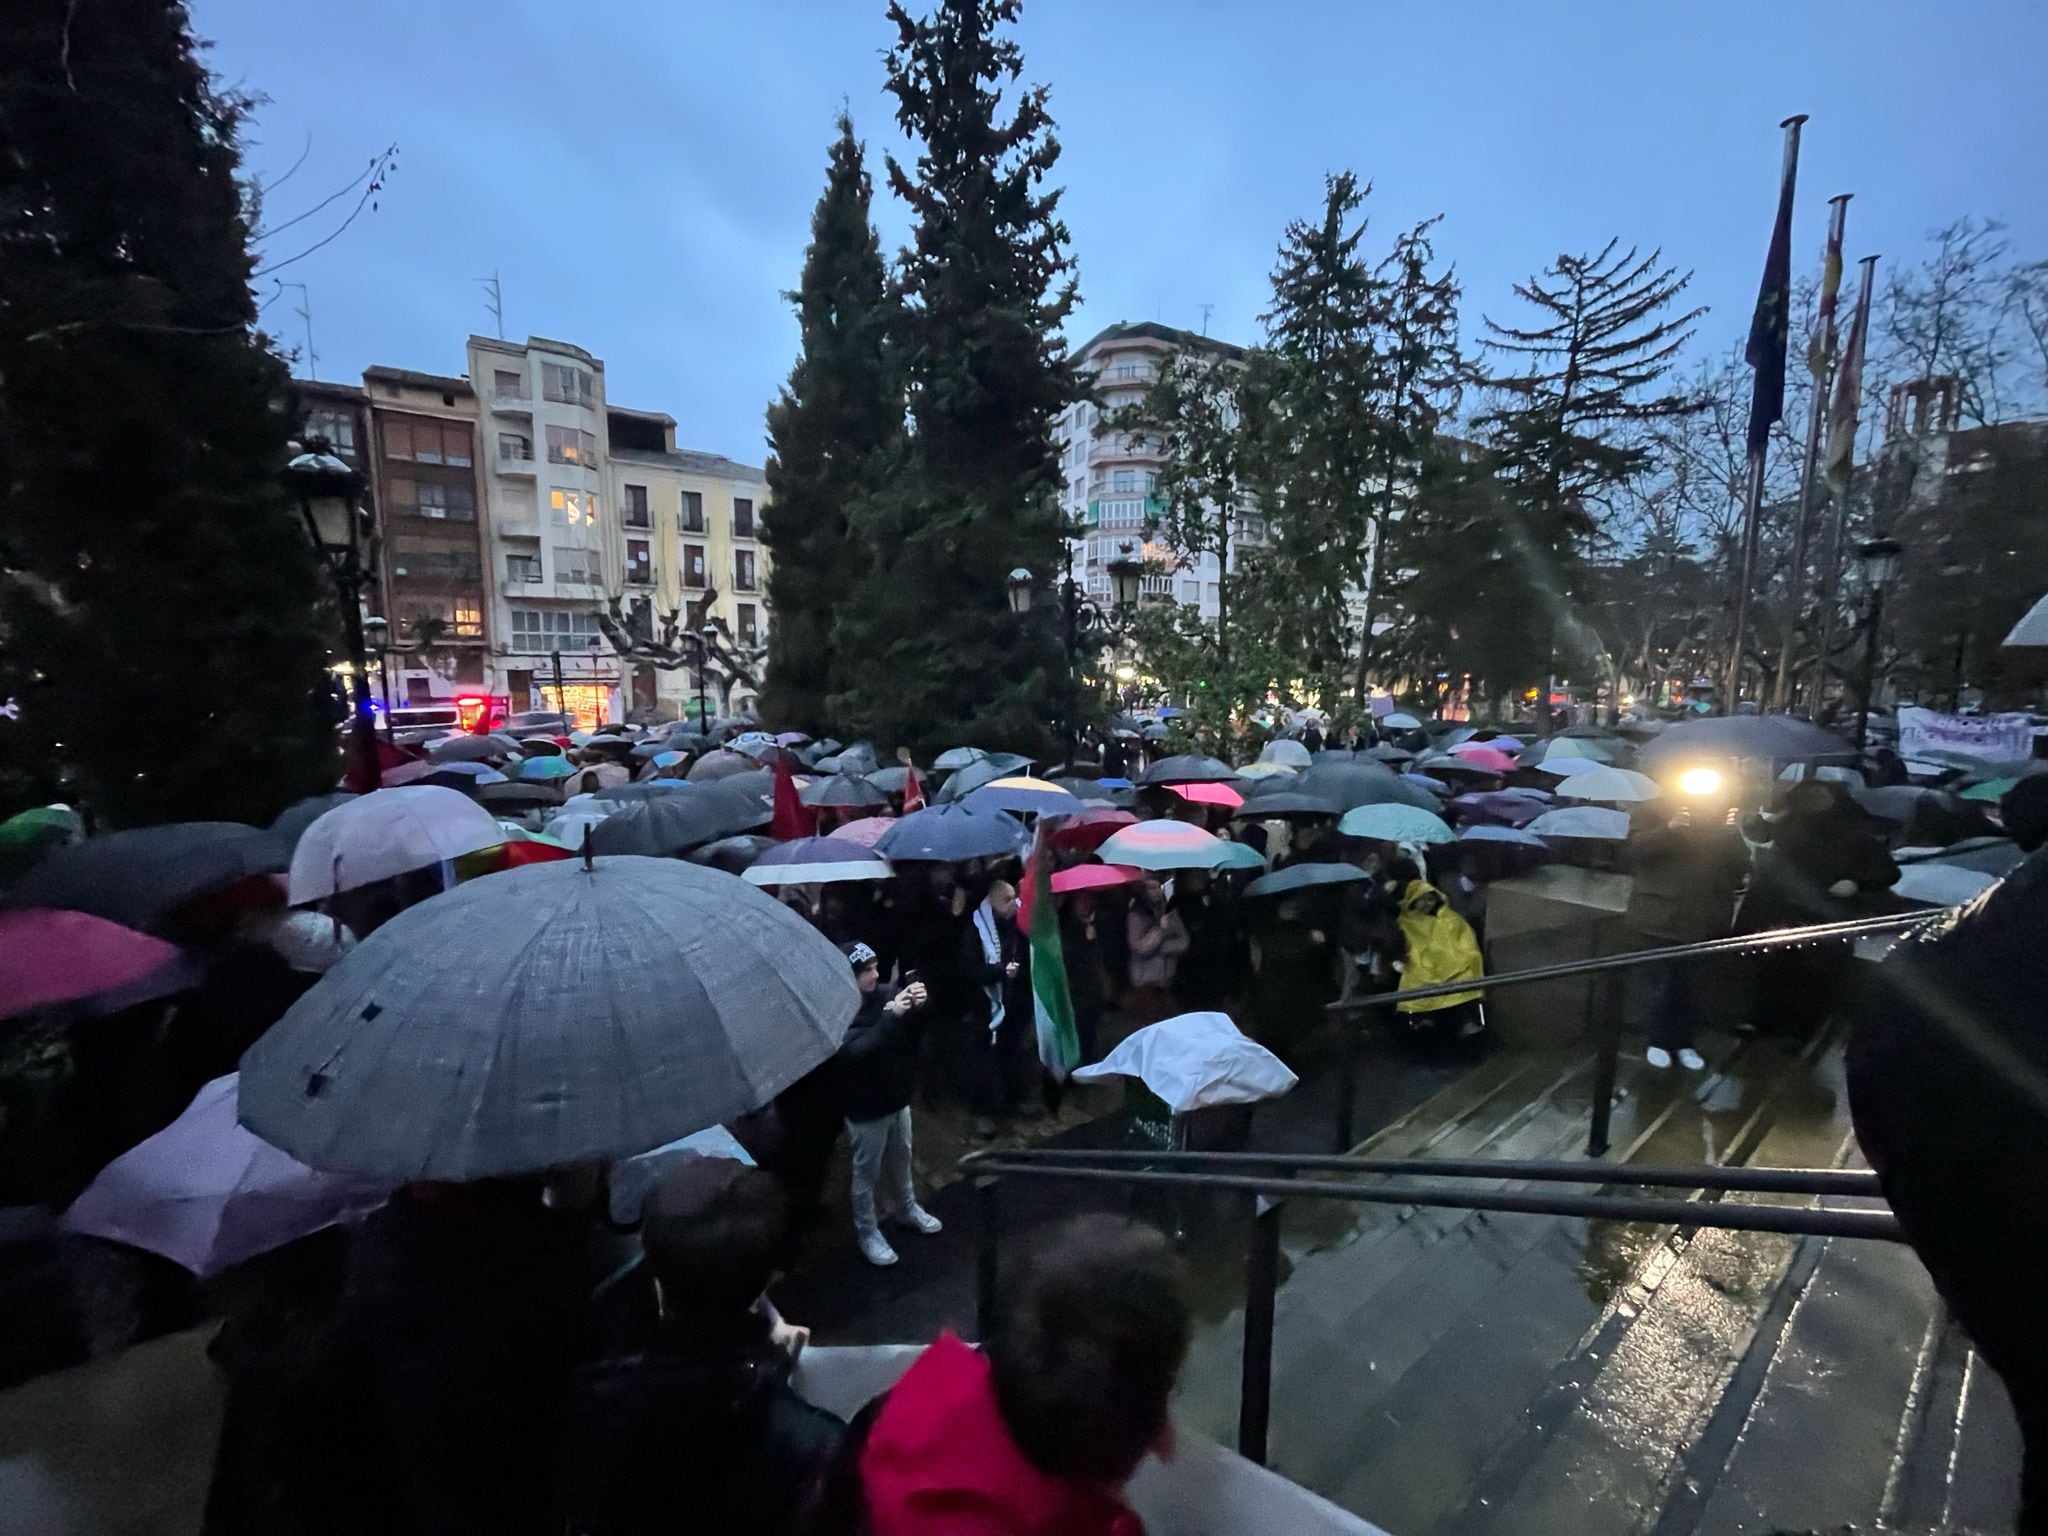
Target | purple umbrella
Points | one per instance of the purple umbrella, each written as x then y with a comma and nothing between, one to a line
1500,808
207,1194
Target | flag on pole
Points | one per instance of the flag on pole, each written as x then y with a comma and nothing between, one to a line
913,791
1771,323
1848,396
1052,1005
793,818
1820,349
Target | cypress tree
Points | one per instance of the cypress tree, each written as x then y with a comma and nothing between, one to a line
829,433
161,616
934,655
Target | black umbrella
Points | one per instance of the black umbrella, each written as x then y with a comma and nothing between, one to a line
1285,802
294,819
140,877
539,746
466,782
520,794
732,854
756,783
844,789
646,789
674,823
619,748
1772,736
1188,768
1092,789
946,834
465,749
1356,784
1299,877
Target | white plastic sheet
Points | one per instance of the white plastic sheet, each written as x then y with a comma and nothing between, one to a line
1196,1061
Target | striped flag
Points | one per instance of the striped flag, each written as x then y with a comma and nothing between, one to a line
1052,1006
1848,396
1820,348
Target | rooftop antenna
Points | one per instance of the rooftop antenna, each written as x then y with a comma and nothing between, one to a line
305,313
495,300
1207,310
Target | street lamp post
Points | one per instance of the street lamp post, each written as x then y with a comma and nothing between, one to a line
703,646
1879,561
1085,625
328,493
377,635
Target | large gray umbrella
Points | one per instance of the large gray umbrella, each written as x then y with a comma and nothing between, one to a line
549,1015
949,833
720,765
676,820
844,789
139,877
1355,784
983,770
1781,737
465,749
1188,768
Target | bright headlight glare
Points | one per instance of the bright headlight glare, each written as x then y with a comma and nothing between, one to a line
1700,782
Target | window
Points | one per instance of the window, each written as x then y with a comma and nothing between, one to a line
573,508
566,445
743,570
696,614
468,620
750,627
521,568
1121,514
572,564
432,498
417,559
1124,480
553,629
507,385
696,569
427,442
570,386
338,427
742,518
639,562
516,446
1130,371
692,517
635,511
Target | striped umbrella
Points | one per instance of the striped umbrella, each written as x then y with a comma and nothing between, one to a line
1164,845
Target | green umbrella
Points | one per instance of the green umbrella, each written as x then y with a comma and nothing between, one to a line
25,837
1991,789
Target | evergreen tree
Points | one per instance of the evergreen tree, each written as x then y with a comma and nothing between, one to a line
934,656
153,576
829,434
1566,428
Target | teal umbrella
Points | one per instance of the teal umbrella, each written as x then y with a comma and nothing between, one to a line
546,768
1299,877
1395,824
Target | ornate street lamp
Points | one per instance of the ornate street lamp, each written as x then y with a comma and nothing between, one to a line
1087,625
329,495
1879,561
1019,589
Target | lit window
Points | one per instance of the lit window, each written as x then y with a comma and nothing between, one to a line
469,619
573,508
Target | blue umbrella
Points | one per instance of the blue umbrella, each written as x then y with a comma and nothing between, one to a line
1483,833
1299,877
946,834
546,768
1022,794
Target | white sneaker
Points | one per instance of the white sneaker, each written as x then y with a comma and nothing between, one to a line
1691,1060
917,1216
1658,1057
876,1250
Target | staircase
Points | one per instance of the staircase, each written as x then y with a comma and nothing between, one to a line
1455,1373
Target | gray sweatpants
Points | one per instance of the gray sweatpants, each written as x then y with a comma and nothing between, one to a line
881,1166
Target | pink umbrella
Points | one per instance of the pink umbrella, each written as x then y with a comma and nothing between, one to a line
867,831
1091,877
1482,754
1208,794
1091,828
207,1194
51,956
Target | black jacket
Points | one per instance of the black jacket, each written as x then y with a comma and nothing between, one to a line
878,1058
979,975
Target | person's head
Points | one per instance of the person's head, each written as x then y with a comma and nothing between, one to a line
1002,899
713,1230
2024,811
867,970
1089,1337
1152,893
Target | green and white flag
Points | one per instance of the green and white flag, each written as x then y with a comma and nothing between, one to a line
1052,1006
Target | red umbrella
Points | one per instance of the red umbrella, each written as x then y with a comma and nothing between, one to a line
529,852
1480,755
1208,794
1088,830
52,956
1092,877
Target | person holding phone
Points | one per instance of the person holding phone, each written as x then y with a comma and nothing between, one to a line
877,1077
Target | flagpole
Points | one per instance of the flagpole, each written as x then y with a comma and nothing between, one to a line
1820,363
1759,439
1831,570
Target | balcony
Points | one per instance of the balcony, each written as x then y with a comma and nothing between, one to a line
744,528
516,464
512,402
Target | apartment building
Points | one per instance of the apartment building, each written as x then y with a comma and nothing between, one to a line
1112,475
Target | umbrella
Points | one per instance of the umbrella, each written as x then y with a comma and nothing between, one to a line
1090,827
946,834
1500,806
1195,1061
732,854
1093,877
2032,629
1595,749
463,749
1240,856
1897,802
293,820
1436,789
1287,753
1480,755
516,794
1500,743
755,783
1582,821
545,768
1395,824
1265,770
1941,885
445,777
955,758
859,758
600,1009
1482,833
1620,785
1095,792
1163,845
848,789
1299,877
719,765
51,955
1188,768
816,861
1352,784
1285,802
387,833
670,823
1827,771
1021,794
1387,752
398,775
646,789
539,746
207,1195
24,837
892,780
139,877
1770,736
790,738
1399,721
595,776
1990,789
867,831
983,770
1208,794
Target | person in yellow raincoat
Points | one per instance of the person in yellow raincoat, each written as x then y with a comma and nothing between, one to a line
1437,946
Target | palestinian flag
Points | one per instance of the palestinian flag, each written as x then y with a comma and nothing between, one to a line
1052,1006
913,790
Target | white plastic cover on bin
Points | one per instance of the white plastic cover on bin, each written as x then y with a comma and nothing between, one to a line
1195,1061
1204,1491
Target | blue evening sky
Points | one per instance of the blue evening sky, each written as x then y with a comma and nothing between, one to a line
641,174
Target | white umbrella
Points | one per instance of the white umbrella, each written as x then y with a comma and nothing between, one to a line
1941,885
1615,784
2032,629
1582,821
1290,754
1195,1061
1400,722
385,833
1829,771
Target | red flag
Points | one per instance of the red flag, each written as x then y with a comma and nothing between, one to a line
913,791
793,818
1035,874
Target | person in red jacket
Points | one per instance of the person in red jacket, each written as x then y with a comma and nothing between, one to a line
1036,1433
